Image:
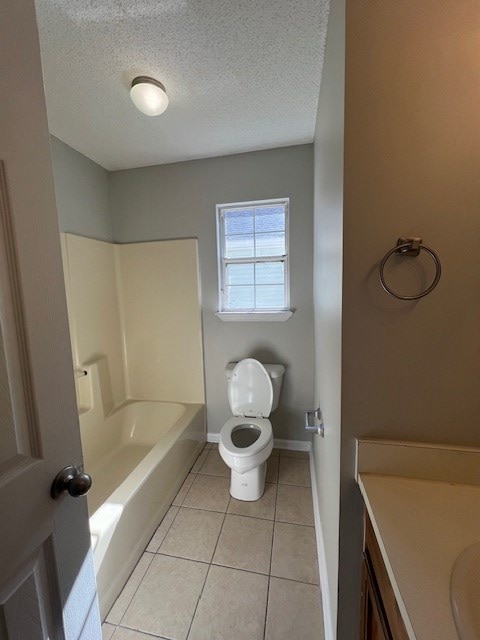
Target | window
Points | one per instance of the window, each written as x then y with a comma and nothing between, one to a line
253,259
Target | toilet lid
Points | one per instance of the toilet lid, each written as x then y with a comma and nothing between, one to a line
250,391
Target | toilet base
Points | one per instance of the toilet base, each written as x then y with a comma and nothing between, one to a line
248,486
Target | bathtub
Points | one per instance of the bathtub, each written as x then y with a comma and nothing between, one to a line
138,457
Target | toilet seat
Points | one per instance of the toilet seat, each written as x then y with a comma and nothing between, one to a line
265,437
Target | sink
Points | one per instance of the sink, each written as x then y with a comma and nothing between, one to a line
465,593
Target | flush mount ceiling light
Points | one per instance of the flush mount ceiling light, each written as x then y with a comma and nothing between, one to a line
149,95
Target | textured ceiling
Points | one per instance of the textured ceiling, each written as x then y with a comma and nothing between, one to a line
240,75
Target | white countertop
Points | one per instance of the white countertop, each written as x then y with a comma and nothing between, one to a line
421,527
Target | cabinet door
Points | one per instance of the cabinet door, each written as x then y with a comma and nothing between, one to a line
373,622
390,616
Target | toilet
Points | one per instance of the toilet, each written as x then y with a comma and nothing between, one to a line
246,439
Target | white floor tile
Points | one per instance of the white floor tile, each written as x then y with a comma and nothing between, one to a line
208,492
245,543
232,606
121,603
294,554
162,530
193,535
263,508
107,631
294,471
165,601
294,504
294,611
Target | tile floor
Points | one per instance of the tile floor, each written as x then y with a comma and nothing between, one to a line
221,569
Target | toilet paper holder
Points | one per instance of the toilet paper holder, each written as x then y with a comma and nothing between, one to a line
314,421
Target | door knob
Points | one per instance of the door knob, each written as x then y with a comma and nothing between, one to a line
70,479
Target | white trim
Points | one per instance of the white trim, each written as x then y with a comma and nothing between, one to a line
222,261
278,443
254,316
251,203
328,623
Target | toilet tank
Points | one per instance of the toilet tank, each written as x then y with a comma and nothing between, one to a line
275,371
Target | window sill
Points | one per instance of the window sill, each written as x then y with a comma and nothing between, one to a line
255,316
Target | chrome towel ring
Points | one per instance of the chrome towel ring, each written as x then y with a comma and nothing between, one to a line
410,247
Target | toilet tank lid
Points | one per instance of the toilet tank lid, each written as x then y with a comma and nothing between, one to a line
274,370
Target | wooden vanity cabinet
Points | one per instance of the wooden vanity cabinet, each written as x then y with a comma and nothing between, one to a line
381,618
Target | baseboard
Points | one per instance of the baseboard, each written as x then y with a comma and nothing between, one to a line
329,629
292,445
278,443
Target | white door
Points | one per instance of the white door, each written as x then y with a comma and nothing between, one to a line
47,584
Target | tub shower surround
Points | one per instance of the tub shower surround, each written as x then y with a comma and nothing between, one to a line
134,313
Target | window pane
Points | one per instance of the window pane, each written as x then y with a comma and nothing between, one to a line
270,296
269,273
240,297
270,244
270,218
239,274
238,221
239,246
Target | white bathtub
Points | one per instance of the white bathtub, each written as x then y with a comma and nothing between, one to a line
138,458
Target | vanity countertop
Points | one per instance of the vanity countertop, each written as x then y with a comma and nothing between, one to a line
421,527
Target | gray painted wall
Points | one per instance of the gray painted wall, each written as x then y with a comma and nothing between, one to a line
178,201
327,294
81,188
410,370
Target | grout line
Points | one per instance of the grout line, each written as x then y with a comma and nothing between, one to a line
105,623
278,470
273,533
208,572
187,506
247,515
217,475
296,524
226,566
257,573
198,602
266,607
243,515
147,633
291,484
312,584
270,565
138,586
211,475
220,532
170,555
189,489
166,534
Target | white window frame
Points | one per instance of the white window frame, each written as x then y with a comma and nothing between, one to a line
274,314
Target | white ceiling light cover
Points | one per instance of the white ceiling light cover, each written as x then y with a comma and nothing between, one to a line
149,96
